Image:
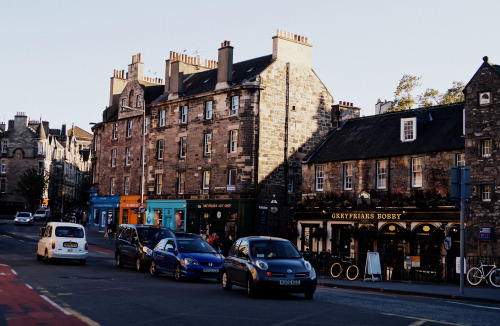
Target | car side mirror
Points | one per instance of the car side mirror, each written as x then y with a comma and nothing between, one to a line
42,231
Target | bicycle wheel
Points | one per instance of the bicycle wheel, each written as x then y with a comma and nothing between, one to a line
495,277
352,272
474,276
335,270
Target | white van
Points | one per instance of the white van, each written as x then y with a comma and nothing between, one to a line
62,240
42,214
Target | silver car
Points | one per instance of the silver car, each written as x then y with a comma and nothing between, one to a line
24,218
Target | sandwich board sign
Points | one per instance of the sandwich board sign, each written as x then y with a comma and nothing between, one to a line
373,266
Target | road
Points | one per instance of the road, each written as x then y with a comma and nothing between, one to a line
101,294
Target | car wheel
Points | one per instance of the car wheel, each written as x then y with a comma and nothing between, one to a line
83,261
152,269
226,283
251,291
118,261
139,266
177,273
309,294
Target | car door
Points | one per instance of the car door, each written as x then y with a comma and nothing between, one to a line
159,255
42,243
125,245
241,261
170,255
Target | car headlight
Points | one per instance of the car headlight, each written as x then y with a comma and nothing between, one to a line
189,261
307,265
261,264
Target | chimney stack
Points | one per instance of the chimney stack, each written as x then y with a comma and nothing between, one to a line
136,68
292,48
225,66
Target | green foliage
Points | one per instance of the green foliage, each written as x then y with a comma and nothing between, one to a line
453,94
31,186
403,97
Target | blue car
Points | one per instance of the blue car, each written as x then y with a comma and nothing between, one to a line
186,258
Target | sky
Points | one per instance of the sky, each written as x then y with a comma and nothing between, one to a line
57,56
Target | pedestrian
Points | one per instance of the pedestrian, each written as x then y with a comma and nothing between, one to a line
84,218
228,243
109,232
213,240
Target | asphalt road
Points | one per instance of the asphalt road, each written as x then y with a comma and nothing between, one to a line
101,294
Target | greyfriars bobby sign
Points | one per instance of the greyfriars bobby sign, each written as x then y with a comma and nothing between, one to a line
367,216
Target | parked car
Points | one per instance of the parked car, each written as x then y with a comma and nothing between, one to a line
268,263
71,218
185,257
24,218
42,214
135,244
61,240
181,234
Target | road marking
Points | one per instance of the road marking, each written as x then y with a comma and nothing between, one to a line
420,321
474,305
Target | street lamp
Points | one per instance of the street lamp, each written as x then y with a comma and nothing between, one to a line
143,109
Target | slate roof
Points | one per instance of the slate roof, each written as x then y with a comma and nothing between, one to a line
439,128
206,81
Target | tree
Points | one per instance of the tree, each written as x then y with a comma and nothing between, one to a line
31,186
430,97
403,97
453,94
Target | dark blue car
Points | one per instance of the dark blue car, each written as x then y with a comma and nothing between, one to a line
185,258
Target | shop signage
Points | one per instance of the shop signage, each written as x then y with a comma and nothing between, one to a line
485,234
216,205
366,216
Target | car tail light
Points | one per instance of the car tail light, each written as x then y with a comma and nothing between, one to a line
53,244
86,246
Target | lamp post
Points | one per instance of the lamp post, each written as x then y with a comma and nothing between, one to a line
143,154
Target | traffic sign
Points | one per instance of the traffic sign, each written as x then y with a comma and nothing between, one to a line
141,209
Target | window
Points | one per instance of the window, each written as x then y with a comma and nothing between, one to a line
138,101
484,98
206,181
184,114
124,103
233,141
416,172
319,176
41,148
486,192
209,110
207,144
235,104
115,131
146,126
408,129
112,186
182,147
129,128
290,185
381,174
460,159
160,149
127,156
113,157
3,166
486,145
347,171
4,145
158,183
231,177
2,185
126,185
181,176
162,119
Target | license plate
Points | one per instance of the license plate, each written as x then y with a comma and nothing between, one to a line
210,270
289,282
70,250
70,244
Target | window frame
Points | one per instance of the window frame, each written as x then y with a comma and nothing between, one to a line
231,176
3,166
347,176
181,182
209,110
233,141
162,118
114,133
206,181
207,144
381,174
158,183
407,132
126,185
127,156
460,159
112,186
160,149
486,192
486,147
4,146
484,98
235,105
319,178
128,132
417,172
114,154
184,114
182,147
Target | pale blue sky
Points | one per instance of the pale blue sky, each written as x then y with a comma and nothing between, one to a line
57,55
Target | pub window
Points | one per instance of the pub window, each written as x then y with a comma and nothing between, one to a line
231,177
290,185
416,172
486,145
138,101
348,175
319,177
381,174
4,145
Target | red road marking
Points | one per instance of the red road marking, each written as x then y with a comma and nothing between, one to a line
103,250
23,306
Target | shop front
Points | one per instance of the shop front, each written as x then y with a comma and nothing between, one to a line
168,213
129,209
104,210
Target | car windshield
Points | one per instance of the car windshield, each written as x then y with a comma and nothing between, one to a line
23,215
273,249
153,235
195,246
69,232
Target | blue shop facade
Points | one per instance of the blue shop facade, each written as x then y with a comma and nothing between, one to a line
104,210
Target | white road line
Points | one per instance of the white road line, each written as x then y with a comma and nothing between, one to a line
55,305
474,305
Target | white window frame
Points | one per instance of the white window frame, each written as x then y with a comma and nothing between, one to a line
5,145
145,126
206,181
486,147
41,148
162,118
348,175
138,101
127,156
111,186
184,114
484,98
486,192
181,177
158,183
129,128
408,129
233,141
207,144
160,149
113,157
231,177
209,110
416,172
126,185
382,174
182,147
460,159
115,131
3,166
235,105
319,176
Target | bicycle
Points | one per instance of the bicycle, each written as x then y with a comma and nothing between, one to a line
476,275
351,272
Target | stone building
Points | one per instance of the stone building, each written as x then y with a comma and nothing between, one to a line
224,140
482,154
26,144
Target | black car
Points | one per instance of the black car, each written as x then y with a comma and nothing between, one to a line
268,263
135,244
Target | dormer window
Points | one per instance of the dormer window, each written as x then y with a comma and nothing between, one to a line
408,129
484,98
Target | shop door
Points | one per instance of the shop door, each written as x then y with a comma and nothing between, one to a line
309,243
340,240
